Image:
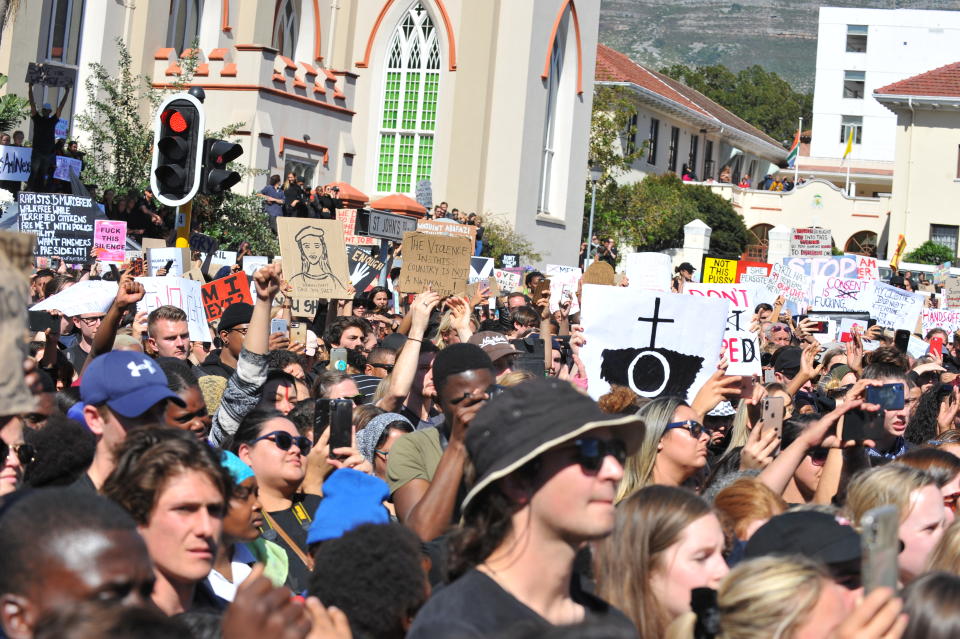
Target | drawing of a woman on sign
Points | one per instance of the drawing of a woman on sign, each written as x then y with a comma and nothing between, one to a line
315,268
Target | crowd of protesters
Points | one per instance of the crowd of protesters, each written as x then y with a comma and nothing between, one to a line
168,487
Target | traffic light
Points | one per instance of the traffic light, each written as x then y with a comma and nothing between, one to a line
215,177
178,131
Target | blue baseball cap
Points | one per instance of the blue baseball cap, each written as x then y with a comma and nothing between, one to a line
129,383
46,106
350,498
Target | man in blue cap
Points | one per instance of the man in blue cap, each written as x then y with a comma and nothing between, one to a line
120,390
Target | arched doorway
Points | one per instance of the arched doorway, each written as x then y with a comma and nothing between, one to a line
759,241
862,243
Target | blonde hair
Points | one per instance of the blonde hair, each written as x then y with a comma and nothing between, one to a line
945,555
515,377
638,469
743,502
382,388
890,484
739,429
769,597
446,325
647,524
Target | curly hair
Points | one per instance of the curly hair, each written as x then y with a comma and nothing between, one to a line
922,426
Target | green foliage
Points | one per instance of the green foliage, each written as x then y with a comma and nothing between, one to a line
651,214
13,108
930,253
610,128
232,218
760,97
499,238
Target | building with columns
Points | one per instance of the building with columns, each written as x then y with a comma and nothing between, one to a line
490,101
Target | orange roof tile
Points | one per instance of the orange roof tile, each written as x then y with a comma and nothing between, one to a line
943,81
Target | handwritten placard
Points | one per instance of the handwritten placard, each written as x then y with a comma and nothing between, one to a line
348,218
810,242
158,257
506,281
220,294
840,294
434,260
87,296
948,320
67,167
15,163
109,240
648,270
741,345
719,271
753,272
15,396
867,268
788,282
443,227
895,308
314,258
176,291
62,223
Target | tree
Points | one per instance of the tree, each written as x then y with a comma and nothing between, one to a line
729,236
760,97
13,108
930,253
499,237
611,131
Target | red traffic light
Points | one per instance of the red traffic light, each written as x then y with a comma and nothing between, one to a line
175,120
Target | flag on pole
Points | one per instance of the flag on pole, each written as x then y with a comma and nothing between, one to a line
898,254
849,148
794,150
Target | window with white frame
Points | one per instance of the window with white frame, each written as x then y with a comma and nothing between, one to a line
286,28
856,38
944,235
550,119
409,116
851,123
853,83
63,31
183,23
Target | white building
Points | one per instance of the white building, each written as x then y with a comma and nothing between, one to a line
858,51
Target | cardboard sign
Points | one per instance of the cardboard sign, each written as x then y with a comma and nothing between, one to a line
451,229
15,163
110,240
314,260
942,273
148,243
509,260
15,396
599,273
86,296
435,260
481,268
649,271
506,281
365,269
62,223
253,263
895,308
182,293
840,294
219,294
50,75
718,271
654,343
742,345
67,167
811,242
753,272
223,258
348,218
867,268
788,282
158,258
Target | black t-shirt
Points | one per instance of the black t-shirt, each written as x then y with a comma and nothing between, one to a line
476,606
77,356
43,133
298,576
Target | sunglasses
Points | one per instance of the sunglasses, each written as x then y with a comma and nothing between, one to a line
592,451
950,501
818,456
26,453
285,440
386,367
696,428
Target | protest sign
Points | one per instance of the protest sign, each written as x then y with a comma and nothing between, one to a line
148,243
867,267
563,289
314,261
452,229
839,294
158,258
481,268
15,396
424,194
509,260
15,163
752,272
176,291
348,218
67,167
203,243
654,343
810,242
224,292
742,347
63,224
832,266
916,347
110,240
507,281
895,308
434,260
364,267
51,75
718,271
560,269
848,326
599,273
648,270
788,282
942,273
932,318
86,296
252,263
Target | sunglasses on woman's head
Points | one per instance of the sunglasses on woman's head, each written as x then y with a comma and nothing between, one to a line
285,440
591,452
696,428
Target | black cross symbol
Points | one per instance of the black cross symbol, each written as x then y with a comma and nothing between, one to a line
654,321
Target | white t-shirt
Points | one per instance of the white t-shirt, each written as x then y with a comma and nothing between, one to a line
240,564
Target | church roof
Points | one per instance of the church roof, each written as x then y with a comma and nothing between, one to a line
613,66
943,81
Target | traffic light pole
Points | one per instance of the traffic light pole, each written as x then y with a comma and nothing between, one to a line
183,224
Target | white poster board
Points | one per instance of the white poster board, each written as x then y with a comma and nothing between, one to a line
840,294
742,346
87,296
159,258
788,282
895,308
650,271
176,291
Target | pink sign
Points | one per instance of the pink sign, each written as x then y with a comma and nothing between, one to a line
109,240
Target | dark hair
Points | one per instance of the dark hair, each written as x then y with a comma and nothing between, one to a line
361,299
250,426
373,293
302,416
34,525
179,375
275,180
885,363
377,354
762,306
525,316
793,427
67,397
148,458
95,620
282,358
922,426
44,272
932,603
64,451
57,284
201,623
326,380
456,359
335,330
529,276
373,574
401,425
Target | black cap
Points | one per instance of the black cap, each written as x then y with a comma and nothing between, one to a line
686,266
235,315
809,533
527,420
787,360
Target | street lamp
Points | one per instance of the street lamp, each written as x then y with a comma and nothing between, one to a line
596,172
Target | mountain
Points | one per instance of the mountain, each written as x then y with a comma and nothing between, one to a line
780,36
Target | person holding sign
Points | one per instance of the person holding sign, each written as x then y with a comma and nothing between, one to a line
44,140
